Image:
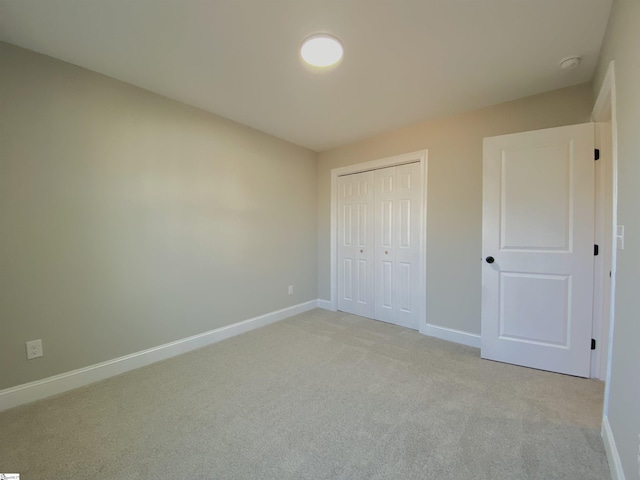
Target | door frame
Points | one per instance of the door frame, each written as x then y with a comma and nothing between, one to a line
420,156
604,111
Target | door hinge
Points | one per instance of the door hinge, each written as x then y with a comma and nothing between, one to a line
596,250
593,344
596,154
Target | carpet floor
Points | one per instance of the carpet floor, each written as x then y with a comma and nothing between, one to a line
321,395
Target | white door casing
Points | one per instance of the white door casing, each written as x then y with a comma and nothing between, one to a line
538,225
397,253
604,237
604,110
355,244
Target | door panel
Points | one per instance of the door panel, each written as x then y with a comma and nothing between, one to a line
347,274
363,274
535,308
386,229
386,283
355,244
384,251
538,225
404,286
398,221
532,217
407,255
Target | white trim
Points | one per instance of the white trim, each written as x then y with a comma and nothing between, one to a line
602,263
29,392
613,457
602,116
419,156
603,102
452,335
325,305
605,107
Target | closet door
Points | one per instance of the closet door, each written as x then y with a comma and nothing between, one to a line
398,214
355,244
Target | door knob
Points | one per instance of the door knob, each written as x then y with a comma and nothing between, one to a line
360,251
490,259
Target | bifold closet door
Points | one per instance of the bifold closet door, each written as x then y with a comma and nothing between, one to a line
355,244
398,216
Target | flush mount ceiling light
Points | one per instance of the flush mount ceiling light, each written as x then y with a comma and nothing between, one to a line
570,63
321,50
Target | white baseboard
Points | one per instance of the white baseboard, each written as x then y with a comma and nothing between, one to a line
615,465
451,335
324,304
29,392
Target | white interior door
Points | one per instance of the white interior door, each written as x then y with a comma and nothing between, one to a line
398,207
538,234
355,244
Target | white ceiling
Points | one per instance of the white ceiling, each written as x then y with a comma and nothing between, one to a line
405,61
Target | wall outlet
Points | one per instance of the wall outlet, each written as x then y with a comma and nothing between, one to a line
290,289
34,349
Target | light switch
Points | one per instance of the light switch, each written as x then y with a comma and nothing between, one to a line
620,237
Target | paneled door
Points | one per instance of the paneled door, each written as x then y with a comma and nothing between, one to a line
355,244
538,249
397,234
379,225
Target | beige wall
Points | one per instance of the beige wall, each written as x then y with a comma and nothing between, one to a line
129,220
454,212
622,44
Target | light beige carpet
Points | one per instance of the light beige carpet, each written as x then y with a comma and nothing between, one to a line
318,396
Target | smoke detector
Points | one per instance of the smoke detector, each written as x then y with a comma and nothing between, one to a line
570,63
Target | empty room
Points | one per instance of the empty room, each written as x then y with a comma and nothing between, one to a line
303,239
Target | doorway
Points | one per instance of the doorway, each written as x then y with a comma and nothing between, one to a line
608,234
374,275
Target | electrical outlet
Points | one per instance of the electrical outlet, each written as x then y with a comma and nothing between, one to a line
290,289
34,349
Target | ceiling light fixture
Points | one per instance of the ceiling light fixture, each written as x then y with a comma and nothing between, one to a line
570,63
321,50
